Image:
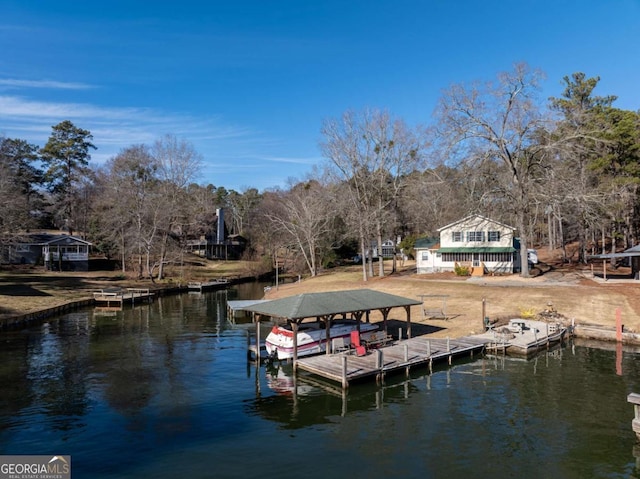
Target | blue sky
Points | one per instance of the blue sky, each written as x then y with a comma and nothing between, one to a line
250,82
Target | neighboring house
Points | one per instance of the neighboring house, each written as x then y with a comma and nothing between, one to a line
57,251
482,244
426,252
388,249
217,244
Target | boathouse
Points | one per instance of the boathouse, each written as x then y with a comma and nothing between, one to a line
355,304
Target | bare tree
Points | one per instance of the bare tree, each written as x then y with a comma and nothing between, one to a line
127,205
304,217
178,164
371,153
500,122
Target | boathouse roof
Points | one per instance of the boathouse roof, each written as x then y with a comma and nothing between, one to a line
309,305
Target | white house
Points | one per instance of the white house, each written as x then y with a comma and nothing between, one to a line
426,252
483,244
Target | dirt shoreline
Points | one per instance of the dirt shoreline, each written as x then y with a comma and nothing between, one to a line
575,296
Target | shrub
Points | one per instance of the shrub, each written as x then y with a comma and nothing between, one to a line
527,313
460,270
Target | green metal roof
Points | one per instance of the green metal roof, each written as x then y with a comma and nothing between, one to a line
426,243
494,249
309,305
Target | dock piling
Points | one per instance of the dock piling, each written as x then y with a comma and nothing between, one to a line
379,364
406,357
345,382
634,398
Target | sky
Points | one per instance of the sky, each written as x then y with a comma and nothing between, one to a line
249,83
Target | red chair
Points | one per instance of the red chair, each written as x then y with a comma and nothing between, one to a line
355,343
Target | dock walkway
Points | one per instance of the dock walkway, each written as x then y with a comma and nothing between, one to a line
120,296
401,356
200,286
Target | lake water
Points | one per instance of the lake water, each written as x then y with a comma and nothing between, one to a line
165,390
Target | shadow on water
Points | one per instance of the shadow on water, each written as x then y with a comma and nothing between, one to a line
303,400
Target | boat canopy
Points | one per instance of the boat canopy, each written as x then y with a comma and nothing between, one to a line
309,305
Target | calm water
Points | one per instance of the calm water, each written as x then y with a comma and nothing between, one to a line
166,391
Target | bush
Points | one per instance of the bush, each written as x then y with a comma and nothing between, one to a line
460,270
527,313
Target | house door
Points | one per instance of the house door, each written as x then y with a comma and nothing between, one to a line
476,260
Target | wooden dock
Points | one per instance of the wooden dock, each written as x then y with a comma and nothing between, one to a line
400,356
200,286
118,296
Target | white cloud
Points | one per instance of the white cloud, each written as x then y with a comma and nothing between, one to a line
233,155
120,126
50,84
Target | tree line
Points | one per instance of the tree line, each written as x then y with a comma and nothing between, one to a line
564,171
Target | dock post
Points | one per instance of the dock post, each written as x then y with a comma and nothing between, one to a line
258,343
379,364
449,350
406,357
345,383
634,398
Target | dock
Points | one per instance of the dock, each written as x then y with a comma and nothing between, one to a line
200,286
118,296
401,356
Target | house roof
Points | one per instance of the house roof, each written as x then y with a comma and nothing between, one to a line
426,243
479,249
309,305
42,239
480,218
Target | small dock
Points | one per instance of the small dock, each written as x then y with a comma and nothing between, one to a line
199,286
401,356
118,297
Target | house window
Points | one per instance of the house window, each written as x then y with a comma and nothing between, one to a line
457,236
494,236
23,248
475,236
425,256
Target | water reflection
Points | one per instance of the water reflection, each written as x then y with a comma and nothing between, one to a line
173,379
303,400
